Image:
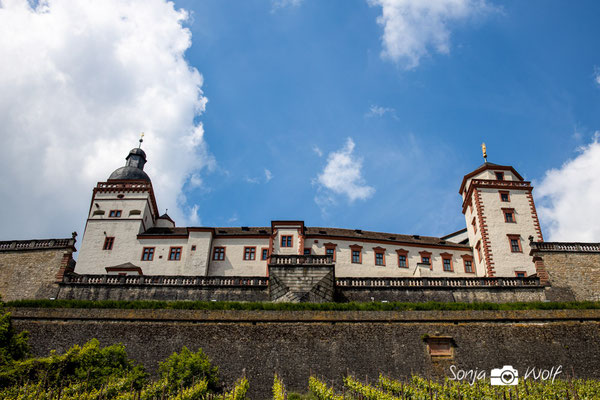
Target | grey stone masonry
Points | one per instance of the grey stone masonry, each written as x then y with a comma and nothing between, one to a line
296,278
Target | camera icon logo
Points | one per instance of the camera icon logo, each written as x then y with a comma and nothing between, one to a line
504,376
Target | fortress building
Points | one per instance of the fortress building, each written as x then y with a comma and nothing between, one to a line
130,251
126,235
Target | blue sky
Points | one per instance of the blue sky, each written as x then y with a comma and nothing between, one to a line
300,109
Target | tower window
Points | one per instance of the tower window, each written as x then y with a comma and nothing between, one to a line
175,253
265,254
148,254
521,274
356,256
478,248
379,258
307,251
499,176
286,240
114,213
108,243
505,196
515,243
474,223
249,253
219,253
509,215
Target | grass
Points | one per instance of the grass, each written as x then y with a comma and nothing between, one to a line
267,306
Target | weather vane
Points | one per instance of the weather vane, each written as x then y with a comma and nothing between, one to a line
484,151
141,140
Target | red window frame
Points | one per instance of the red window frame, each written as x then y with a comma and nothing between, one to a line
218,253
426,255
379,251
147,254
287,240
175,253
509,211
468,259
109,241
402,253
115,213
517,242
523,273
447,257
504,192
249,253
478,248
332,247
358,249
264,253
474,223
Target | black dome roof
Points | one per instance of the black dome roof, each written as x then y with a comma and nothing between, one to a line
128,172
134,167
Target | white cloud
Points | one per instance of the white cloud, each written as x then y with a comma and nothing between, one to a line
597,76
79,80
317,150
412,28
342,176
278,4
268,175
570,198
194,218
378,111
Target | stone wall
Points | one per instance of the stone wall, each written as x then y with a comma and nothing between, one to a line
573,270
161,292
446,295
330,344
30,269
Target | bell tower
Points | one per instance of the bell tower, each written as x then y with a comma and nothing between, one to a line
500,215
121,208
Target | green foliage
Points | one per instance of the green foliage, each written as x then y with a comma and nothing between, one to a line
90,364
278,389
13,346
183,368
321,391
238,392
268,306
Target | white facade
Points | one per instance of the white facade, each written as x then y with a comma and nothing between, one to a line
125,235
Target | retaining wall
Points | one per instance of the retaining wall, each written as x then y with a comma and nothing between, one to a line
330,344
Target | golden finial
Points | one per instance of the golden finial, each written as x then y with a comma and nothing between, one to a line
484,151
141,140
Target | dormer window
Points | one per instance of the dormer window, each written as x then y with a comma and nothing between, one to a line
286,241
115,214
499,176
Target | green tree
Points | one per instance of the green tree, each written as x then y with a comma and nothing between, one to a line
185,367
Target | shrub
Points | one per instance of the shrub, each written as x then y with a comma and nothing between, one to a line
185,367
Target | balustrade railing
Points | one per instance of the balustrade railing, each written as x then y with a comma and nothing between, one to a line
36,244
495,183
437,282
165,280
566,247
296,259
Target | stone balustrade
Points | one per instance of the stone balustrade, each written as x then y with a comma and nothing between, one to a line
165,280
430,282
16,245
296,259
575,247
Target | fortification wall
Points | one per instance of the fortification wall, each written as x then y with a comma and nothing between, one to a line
30,269
161,292
573,276
330,344
446,295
